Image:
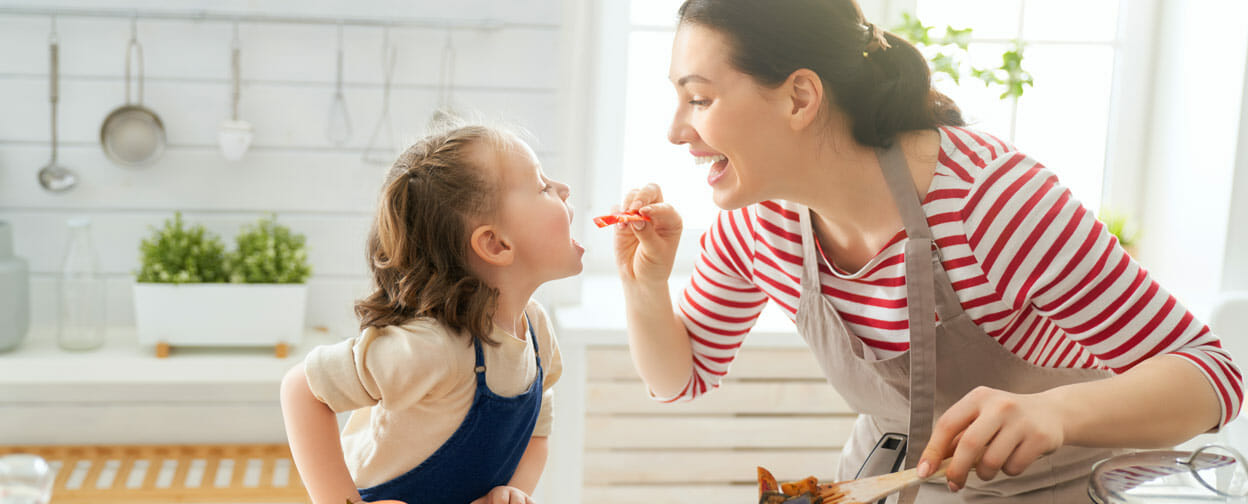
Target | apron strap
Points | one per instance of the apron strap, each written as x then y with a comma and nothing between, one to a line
920,303
480,369
810,256
533,337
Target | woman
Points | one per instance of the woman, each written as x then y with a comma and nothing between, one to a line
948,285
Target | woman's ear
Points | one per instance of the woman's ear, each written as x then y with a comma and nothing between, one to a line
805,100
490,245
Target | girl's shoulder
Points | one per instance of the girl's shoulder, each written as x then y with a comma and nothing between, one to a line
427,337
543,326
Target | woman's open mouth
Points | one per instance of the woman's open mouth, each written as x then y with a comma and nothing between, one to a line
719,165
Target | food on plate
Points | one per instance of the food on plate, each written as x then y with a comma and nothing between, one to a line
806,491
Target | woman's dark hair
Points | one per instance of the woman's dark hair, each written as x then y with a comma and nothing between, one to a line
883,91
418,245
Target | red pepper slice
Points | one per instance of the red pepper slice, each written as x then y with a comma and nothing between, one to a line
618,217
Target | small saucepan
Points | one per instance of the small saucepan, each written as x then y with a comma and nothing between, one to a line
132,135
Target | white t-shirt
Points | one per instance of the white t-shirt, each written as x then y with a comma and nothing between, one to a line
410,386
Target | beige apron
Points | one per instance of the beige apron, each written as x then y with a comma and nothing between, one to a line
907,392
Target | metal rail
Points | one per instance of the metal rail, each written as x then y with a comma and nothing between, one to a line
241,17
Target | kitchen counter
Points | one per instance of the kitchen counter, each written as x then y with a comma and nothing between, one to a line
123,393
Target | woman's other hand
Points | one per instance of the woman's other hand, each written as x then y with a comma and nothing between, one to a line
505,495
646,251
992,431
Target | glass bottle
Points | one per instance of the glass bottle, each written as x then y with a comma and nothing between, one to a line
14,293
80,292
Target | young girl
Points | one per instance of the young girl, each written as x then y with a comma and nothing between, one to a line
449,382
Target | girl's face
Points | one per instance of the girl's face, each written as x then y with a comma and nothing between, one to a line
732,125
535,215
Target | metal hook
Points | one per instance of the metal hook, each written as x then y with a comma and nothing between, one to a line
389,55
134,26
52,38
235,72
448,71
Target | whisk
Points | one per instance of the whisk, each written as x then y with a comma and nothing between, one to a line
385,153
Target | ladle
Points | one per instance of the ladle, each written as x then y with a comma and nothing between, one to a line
53,176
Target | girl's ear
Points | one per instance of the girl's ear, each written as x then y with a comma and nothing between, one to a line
490,245
805,97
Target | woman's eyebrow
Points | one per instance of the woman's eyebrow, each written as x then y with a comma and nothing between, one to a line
692,77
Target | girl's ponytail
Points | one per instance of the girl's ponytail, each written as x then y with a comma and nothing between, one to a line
418,245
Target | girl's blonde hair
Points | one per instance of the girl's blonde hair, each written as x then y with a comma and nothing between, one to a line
418,247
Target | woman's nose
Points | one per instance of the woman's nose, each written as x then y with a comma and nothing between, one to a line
680,132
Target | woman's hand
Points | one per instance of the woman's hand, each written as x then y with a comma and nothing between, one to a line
993,431
646,251
505,495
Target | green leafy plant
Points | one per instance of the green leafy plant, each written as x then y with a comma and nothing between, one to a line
1118,225
179,254
268,252
948,54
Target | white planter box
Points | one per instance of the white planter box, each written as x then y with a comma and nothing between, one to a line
220,314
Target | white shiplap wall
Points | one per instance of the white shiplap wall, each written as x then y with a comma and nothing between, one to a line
323,191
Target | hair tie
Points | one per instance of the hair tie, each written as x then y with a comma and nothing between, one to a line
875,40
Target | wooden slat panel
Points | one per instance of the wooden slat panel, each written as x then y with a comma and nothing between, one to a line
737,397
716,432
99,457
155,455
614,363
185,456
652,467
670,494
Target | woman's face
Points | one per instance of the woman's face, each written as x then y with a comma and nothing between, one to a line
733,126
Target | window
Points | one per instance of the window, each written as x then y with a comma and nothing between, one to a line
1064,121
635,109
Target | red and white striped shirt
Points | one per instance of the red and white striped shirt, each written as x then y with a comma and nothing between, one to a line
1030,265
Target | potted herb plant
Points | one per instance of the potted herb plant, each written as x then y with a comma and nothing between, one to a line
190,292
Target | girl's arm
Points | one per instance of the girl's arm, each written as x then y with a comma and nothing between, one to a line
312,430
532,463
520,489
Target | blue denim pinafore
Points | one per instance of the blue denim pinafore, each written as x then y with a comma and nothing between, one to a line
482,453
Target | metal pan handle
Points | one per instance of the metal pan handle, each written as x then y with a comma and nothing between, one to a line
131,48
1194,466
